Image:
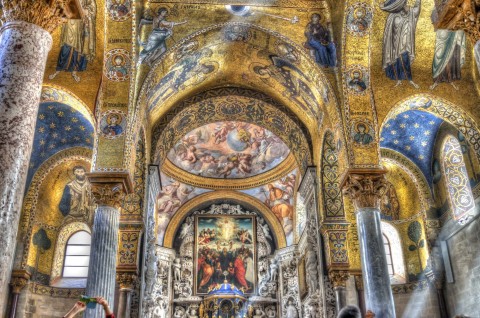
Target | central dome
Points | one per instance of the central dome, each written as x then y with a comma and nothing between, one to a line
228,149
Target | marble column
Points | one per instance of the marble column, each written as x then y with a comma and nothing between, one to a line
365,188
126,281
20,279
339,280
108,189
24,45
360,293
103,257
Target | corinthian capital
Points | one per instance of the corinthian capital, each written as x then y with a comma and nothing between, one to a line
126,280
19,280
47,14
109,189
339,278
365,187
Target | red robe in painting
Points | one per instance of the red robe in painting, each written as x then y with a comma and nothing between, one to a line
207,270
240,272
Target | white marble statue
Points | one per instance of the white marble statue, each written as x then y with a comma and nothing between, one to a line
177,270
291,310
273,270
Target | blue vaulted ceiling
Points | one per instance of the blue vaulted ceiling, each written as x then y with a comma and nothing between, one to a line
58,127
412,133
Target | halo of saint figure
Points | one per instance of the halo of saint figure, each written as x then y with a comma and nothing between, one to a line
225,250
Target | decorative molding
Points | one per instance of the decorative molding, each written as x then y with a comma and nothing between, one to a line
56,292
364,187
19,280
109,189
46,14
272,175
235,197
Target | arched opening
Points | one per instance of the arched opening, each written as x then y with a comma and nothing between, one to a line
77,255
394,253
456,180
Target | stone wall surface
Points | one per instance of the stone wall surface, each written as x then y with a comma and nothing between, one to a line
418,304
42,306
463,295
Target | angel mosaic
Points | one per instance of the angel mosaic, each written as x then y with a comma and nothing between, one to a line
156,44
282,70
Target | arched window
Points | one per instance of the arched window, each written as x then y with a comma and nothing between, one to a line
77,255
456,178
388,253
393,251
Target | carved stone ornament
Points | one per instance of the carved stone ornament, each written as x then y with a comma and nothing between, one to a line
19,280
339,278
47,14
126,280
109,189
365,187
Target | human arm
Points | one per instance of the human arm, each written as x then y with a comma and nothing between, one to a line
77,308
104,303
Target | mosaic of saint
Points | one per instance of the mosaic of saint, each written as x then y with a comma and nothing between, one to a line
228,149
225,250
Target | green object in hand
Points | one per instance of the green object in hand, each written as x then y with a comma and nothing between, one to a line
91,302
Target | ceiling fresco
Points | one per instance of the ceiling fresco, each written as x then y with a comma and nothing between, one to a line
230,149
59,126
413,133
279,197
172,196
231,108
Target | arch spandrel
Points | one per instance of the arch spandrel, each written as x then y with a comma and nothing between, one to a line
270,51
218,196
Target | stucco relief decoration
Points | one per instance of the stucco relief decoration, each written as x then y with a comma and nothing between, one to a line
119,10
362,133
357,79
359,19
112,124
117,65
